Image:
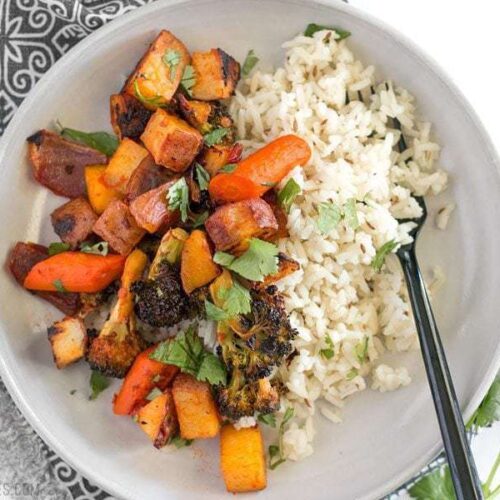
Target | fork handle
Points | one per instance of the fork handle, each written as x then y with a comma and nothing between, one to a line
463,470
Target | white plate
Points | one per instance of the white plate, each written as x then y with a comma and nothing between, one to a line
385,437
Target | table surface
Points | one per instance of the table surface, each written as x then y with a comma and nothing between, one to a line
462,38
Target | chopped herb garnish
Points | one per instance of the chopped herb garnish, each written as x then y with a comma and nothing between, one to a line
197,220
329,216
156,100
215,136
171,58
268,419
214,312
269,184
351,374
101,248
235,300
98,383
58,285
188,79
361,350
287,195
276,454
329,352
187,352
259,261
313,28
489,409
381,254
178,198
227,169
179,442
58,247
155,392
101,141
350,214
202,176
250,61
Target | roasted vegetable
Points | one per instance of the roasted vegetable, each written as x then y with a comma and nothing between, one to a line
68,340
197,266
114,350
100,195
144,375
117,226
74,272
261,170
160,300
172,142
73,221
158,419
216,157
281,217
59,164
23,258
232,225
158,74
122,164
147,176
151,211
242,459
216,75
286,266
128,116
196,411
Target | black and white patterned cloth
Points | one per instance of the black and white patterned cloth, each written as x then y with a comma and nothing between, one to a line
33,35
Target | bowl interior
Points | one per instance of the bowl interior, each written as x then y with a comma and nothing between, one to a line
384,437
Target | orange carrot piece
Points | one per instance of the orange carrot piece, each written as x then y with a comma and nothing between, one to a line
143,376
75,272
264,168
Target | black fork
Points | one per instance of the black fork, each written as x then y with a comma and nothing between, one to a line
463,470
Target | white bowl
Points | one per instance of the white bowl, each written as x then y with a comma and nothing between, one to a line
385,437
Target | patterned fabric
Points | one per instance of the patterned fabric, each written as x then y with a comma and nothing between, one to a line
33,35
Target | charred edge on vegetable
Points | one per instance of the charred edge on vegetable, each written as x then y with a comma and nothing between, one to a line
65,225
36,138
230,68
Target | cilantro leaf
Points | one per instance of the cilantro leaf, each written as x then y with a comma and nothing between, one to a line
361,350
156,100
187,352
58,247
227,169
215,136
202,176
199,219
287,195
350,213
351,374
329,352
188,80
313,28
171,58
276,451
260,260
489,409
236,299
250,61
98,383
223,258
268,419
101,141
154,393
329,216
101,248
178,198
434,486
58,285
179,442
381,254
214,312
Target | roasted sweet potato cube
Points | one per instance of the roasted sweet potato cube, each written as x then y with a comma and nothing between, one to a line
172,142
216,73
215,157
73,221
158,419
195,406
124,161
22,258
196,113
242,459
197,265
100,195
59,164
158,74
231,226
68,339
281,216
151,211
147,176
286,266
117,226
128,116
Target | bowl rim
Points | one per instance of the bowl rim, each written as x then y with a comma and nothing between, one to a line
6,372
